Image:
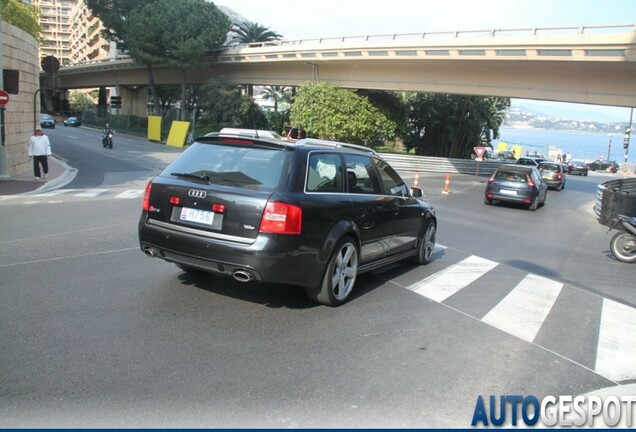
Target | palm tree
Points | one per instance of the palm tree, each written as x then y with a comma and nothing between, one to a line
277,94
249,32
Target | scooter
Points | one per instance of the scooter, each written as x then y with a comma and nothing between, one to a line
107,139
623,243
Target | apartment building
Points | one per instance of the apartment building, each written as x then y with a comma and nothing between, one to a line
70,32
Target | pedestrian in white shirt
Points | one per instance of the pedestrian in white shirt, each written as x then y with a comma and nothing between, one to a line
40,150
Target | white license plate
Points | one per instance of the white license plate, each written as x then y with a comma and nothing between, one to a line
507,192
195,215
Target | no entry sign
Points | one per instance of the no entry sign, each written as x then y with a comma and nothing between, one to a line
4,98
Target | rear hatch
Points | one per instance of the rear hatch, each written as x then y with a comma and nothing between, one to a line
219,188
510,182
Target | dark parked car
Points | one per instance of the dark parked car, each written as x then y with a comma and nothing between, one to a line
73,121
310,213
602,165
517,184
47,121
577,167
553,174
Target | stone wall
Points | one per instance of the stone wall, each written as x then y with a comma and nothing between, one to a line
20,52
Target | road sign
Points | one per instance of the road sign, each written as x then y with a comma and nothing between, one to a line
479,151
4,97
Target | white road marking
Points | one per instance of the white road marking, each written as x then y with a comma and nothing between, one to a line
91,193
522,312
616,352
131,194
447,282
54,192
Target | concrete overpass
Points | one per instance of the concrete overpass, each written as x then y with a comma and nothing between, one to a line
595,65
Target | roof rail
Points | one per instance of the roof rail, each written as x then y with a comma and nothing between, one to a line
336,144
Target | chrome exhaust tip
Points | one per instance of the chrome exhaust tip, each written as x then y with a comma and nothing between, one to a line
242,276
150,252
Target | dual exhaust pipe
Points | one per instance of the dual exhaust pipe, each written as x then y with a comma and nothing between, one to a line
238,275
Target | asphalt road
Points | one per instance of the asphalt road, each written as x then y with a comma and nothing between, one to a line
95,334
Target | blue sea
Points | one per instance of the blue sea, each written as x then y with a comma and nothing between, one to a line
588,146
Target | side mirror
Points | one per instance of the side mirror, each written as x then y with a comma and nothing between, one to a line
417,192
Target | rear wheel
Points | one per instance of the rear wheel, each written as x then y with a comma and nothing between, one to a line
534,204
339,277
488,201
623,247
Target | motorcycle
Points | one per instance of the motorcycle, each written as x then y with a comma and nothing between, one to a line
623,243
107,139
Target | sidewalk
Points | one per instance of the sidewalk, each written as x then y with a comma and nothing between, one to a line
60,174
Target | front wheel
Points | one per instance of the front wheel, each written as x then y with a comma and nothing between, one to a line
623,247
339,277
426,246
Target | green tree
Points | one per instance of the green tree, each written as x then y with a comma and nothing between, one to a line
224,105
328,112
113,14
249,32
278,94
196,27
446,125
80,100
23,16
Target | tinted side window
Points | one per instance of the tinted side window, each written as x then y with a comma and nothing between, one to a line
324,173
391,181
361,175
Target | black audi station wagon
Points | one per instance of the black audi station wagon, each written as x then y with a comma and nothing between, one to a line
310,213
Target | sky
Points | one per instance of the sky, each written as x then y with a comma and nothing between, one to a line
304,19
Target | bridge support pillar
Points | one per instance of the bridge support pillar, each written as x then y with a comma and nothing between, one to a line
134,100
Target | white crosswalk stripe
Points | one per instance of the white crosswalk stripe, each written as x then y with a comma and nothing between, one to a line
91,193
447,282
524,309
616,353
131,194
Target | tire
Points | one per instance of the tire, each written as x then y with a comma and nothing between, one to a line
340,275
426,245
623,247
534,205
488,201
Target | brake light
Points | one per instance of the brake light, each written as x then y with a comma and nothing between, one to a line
281,218
175,200
146,202
236,141
559,176
219,208
531,183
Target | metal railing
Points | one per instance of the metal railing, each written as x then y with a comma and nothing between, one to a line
412,163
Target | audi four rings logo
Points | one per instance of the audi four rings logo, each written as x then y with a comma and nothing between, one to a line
195,193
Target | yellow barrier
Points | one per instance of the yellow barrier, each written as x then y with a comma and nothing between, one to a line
178,133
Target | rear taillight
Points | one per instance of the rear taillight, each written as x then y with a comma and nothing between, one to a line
559,176
146,203
531,182
281,218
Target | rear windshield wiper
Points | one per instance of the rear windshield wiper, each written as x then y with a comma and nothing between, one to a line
203,177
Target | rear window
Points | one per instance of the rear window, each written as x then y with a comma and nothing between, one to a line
244,167
511,176
549,167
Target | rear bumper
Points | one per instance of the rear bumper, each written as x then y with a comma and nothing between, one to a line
270,258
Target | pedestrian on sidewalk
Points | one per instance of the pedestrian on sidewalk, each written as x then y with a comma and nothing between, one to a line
40,150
